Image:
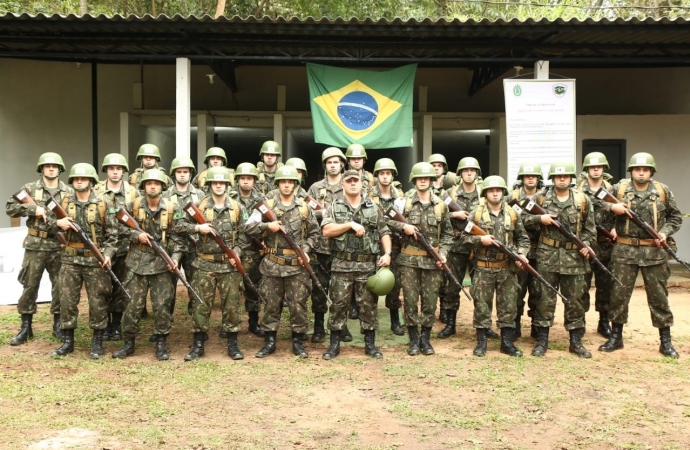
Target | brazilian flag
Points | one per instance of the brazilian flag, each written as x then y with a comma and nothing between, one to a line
362,106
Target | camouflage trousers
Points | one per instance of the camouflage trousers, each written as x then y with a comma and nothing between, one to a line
228,285
571,287
251,261
604,284
530,286
343,286
295,290
33,265
484,285
162,291
458,263
393,297
98,286
117,301
655,279
189,271
420,283
319,304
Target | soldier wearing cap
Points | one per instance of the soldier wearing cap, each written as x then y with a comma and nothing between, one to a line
356,156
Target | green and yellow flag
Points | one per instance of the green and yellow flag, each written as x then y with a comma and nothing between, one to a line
361,106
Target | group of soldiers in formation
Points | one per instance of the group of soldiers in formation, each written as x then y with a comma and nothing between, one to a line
289,243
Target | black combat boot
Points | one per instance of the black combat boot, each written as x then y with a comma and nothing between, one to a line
542,341
507,342
534,332
354,312
319,330
233,350
126,350
144,312
443,315
190,307
223,334
517,333
297,346
425,342
197,347
666,348
480,349
67,344
25,332
604,327
449,330
154,337
254,327
162,348
413,349
334,348
345,335
370,348
57,332
396,327
269,344
97,351
615,342
116,329
108,327
576,346
491,334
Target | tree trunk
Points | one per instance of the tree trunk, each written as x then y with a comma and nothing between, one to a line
220,9
83,7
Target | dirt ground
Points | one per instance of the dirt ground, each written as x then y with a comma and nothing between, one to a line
630,399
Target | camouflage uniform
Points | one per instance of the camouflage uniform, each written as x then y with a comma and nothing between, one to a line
393,297
266,181
251,256
135,177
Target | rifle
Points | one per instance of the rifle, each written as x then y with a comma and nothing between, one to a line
393,213
533,207
474,230
606,233
125,218
199,218
313,204
53,205
265,211
606,196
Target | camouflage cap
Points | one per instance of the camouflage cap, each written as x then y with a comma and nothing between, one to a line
351,174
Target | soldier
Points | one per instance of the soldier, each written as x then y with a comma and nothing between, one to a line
635,250
356,226
215,157
420,273
116,193
41,250
79,266
225,216
150,156
283,276
298,163
529,183
356,157
492,268
595,164
325,191
270,154
444,179
384,195
559,260
146,270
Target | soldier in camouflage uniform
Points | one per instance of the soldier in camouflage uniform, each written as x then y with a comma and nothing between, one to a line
41,250
420,273
560,261
492,268
215,270
324,192
270,154
146,270
356,156
283,276
383,195
356,226
215,157
116,193
636,251
595,164
444,179
529,182
150,156
79,266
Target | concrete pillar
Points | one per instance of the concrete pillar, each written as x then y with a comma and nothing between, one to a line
280,134
204,138
426,129
282,97
182,106
541,70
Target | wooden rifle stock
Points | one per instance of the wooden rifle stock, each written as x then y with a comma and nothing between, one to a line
606,233
312,203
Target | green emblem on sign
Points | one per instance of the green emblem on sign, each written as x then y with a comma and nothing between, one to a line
559,90
517,90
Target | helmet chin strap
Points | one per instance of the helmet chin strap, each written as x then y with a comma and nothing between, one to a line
84,189
154,195
424,189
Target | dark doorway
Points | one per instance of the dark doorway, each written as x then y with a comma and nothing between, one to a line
458,144
614,149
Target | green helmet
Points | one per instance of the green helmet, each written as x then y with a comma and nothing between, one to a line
287,173
331,152
246,169
270,148
642,160
218,174
438,158
530,168
149,150
83,170
50,158
385,164
178,163
422,170
382,282
297,163
469,163
562,168
155,175
595,159
216,151
494,181
114,159
355,151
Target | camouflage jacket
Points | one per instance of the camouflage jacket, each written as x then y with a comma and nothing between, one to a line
602,216
114,200
266,181
249,204
384,203
325,193
468,201
180,199
41,235
519,194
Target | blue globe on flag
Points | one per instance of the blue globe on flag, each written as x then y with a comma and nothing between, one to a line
358,110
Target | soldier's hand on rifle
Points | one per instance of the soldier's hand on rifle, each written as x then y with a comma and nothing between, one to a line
487,240
144,238
384,261
174,266
462,215
65,223
588,252
547,219
106,262
41,212
441,262
205,228
522,261
660,242
233,263
619,209
357,228
410,230
275,226
614,234
304,262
